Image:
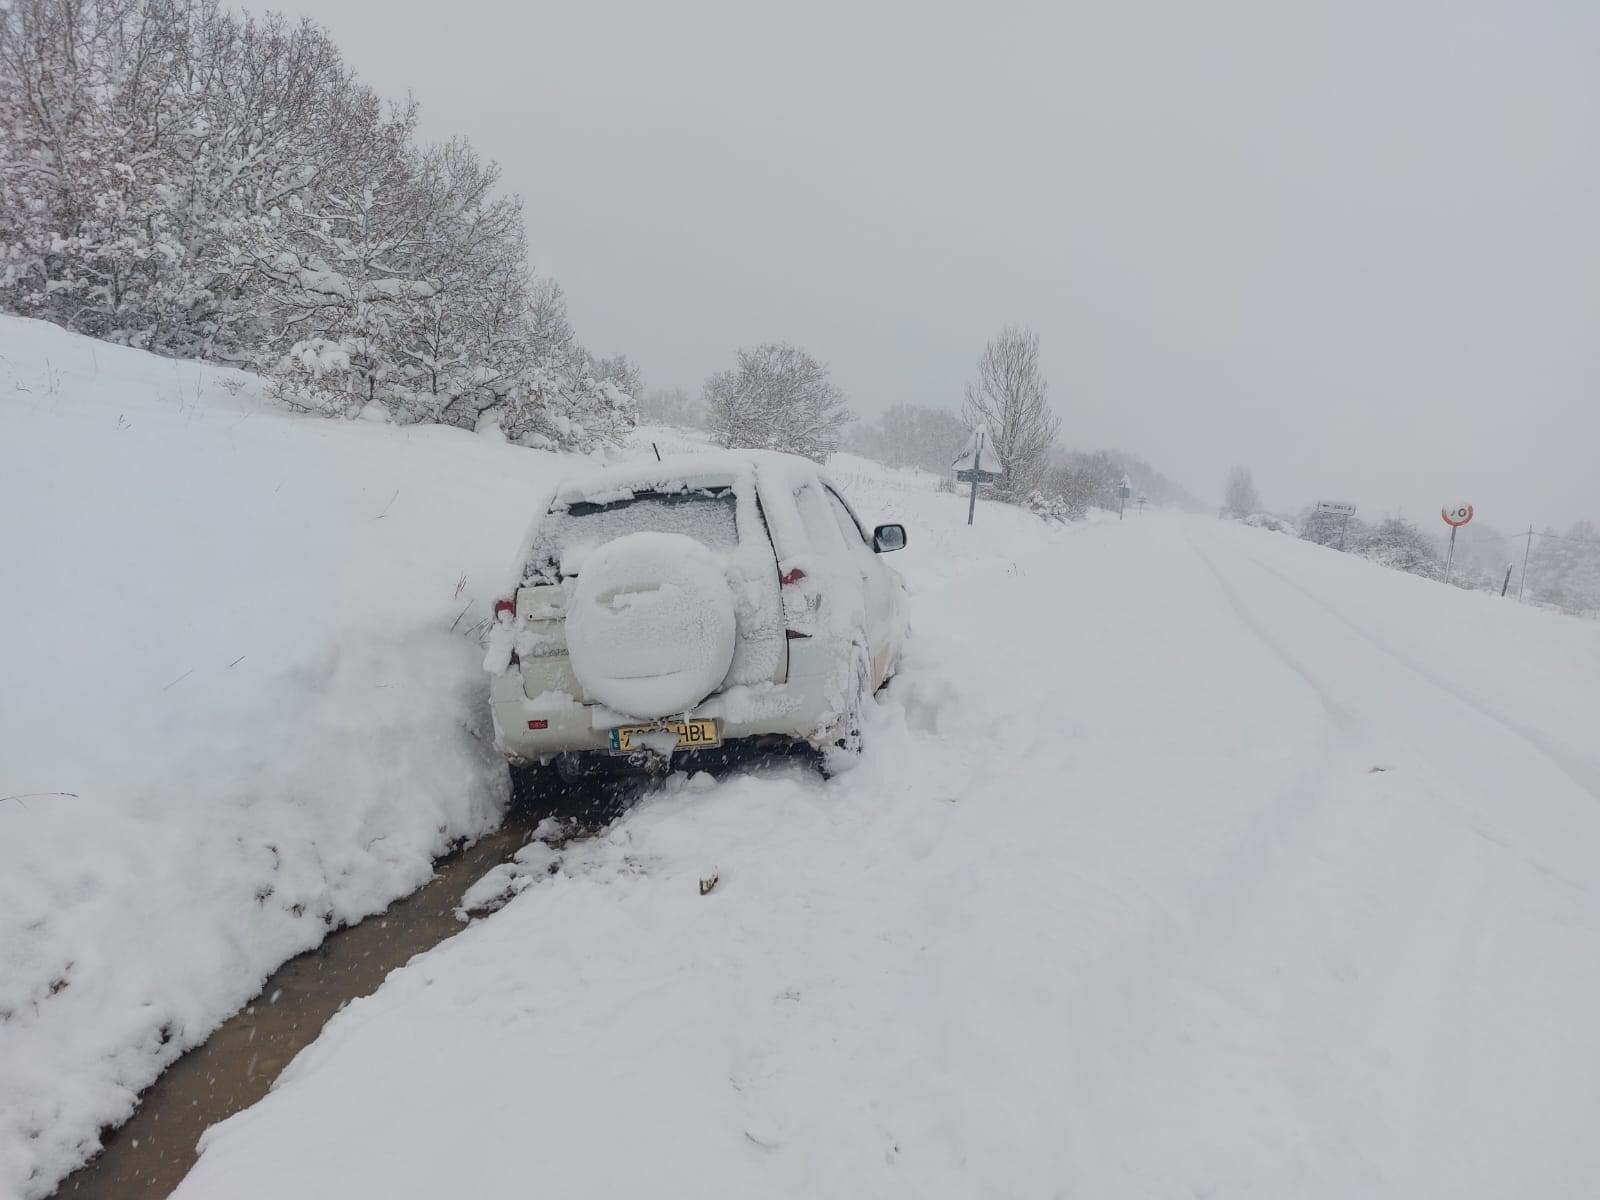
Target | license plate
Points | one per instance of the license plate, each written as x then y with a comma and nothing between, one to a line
698,734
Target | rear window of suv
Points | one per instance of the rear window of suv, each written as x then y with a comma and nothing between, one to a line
567,534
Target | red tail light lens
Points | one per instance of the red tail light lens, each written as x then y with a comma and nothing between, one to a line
538,724
800,606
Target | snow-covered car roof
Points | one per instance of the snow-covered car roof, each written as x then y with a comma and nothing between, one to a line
680,473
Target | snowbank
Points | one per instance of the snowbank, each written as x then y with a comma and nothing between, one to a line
238,709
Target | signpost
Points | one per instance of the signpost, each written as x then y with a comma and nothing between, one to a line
1454,516
977,464
1141,503
1124,490
1338,508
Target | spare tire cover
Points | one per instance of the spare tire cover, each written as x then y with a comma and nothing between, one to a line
650,626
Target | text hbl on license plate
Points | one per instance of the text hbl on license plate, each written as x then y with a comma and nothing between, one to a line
697,734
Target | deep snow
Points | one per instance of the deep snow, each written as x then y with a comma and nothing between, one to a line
1185,859
233,710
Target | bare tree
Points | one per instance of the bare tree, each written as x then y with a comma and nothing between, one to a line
1009,398
1239,497
912,435
674,407
777,398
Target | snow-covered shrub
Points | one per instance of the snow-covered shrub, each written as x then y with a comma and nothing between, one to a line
565,407
1399,544
777,398
1270,522
1049,508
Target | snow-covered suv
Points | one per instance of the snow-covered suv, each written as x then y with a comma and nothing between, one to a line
666,612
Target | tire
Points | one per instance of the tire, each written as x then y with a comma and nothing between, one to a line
537,789
579,800
843,747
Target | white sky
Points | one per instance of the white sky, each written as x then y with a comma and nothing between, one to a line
1354,244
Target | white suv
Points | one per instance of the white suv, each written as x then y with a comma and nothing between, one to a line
670,612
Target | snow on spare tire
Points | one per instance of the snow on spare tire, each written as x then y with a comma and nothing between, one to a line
650,625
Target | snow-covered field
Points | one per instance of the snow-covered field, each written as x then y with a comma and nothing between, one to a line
1185,859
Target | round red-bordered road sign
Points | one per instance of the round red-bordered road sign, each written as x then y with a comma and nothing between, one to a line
1456,515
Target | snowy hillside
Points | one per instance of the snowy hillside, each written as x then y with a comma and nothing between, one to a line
234,711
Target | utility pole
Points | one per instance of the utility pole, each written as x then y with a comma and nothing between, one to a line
1523,582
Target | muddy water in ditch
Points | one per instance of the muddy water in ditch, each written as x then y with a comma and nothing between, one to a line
147,1157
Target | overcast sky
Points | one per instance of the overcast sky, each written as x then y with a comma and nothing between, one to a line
1353,244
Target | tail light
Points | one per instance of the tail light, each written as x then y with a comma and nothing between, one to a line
800,603
505,606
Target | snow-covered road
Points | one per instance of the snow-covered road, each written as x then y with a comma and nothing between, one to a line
1185,860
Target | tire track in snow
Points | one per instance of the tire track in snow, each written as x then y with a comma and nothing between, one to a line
1581,776
1498,725
1139,1012
1400,920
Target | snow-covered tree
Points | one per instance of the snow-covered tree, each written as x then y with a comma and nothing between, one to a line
1239,498
1564,568
1009,398
1399,544
912,435
564,399
672,406
1084,480
202,183
777,398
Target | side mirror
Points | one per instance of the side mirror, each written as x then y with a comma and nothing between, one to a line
889,537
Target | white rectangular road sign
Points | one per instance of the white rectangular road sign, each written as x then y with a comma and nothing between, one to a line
1336,506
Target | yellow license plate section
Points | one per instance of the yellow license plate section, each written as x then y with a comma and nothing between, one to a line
698,734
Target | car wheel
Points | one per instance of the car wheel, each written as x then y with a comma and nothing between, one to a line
537,789
845,742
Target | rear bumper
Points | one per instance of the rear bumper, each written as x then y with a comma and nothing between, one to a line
531,728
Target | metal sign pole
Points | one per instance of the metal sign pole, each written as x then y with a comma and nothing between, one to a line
1455,518
970,469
